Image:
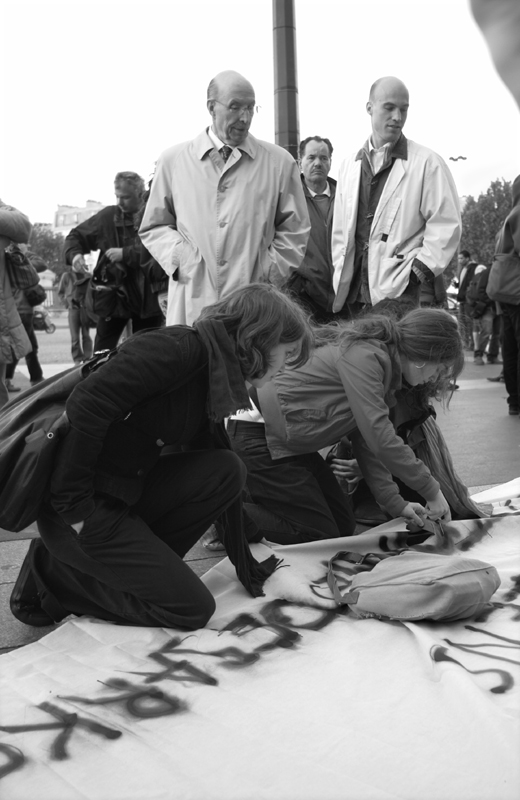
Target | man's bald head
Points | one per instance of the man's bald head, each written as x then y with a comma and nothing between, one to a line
384,85
388,108
226,81
231,103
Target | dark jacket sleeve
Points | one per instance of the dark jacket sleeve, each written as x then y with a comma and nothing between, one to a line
83,239
145,366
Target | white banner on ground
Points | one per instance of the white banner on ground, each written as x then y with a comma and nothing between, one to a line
278,699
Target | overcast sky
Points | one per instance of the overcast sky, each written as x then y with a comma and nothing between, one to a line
91,87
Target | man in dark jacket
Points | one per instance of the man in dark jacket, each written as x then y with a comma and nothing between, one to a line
120,283
311,283
466,269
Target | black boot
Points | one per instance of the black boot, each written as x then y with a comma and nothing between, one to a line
25,601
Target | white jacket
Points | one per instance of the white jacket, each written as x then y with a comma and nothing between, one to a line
418,216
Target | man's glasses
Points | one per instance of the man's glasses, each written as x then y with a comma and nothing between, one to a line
237,109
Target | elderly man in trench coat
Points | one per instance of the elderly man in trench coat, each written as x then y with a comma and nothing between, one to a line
225,209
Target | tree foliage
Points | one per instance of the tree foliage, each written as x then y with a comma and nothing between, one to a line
48,246
482,219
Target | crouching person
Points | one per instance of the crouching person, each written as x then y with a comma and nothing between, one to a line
147,466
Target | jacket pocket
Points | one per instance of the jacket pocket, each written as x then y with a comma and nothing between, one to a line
388,217
394,274
189,259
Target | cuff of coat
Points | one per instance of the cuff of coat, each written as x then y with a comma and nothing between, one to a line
423,272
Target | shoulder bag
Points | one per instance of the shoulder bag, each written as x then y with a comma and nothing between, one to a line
31,427
504,276
412,585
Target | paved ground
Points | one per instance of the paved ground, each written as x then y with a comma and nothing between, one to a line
483,439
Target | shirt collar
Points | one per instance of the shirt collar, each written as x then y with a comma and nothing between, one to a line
313,194
398,150
205,142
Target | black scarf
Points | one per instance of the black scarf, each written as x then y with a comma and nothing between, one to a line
227,390
227,394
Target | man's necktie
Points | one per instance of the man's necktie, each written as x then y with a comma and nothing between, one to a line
226,151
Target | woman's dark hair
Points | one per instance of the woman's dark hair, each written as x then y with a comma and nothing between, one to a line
259,317
422,335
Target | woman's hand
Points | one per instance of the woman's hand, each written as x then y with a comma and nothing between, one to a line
438,508
414,512
78,526
346,469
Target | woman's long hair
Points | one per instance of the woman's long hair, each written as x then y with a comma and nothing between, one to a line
423,335
259,317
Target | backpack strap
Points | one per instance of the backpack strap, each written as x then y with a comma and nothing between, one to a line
343,567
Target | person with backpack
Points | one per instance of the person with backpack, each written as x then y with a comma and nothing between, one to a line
146,466
26,311
72,290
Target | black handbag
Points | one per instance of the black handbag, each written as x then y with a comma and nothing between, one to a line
31,427
35,295
504,279
107,296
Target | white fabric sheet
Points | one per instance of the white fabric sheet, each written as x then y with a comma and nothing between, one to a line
291,702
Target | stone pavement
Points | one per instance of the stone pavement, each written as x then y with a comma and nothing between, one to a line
483,439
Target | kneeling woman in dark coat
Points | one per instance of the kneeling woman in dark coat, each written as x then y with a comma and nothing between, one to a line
122,513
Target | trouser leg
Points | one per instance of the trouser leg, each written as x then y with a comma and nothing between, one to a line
86,339
126,564
31,359
108,332
511,351
301,491
74,328
494,337
10,369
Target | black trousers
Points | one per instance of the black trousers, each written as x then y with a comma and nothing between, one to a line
31,359
126,564
511,352
294,499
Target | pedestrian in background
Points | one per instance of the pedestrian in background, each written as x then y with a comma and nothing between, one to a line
72,290
311,283
466,268
483,313
26,311
14,227
118,278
